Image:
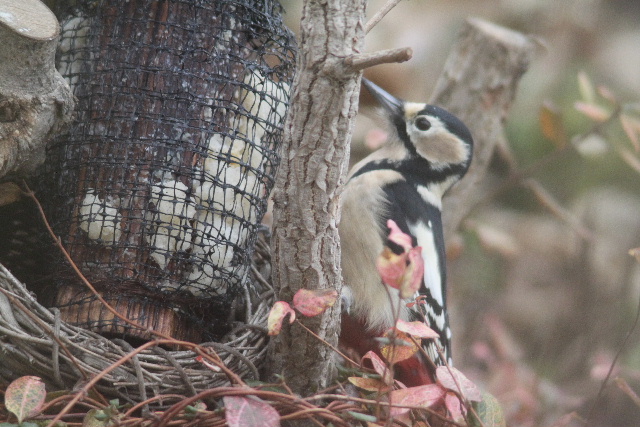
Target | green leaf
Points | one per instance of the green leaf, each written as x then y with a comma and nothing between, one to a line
24,397
362,417
585,87
97,418
8,425
489,411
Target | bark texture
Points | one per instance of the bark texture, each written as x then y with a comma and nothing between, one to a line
478,85
315,156
35,101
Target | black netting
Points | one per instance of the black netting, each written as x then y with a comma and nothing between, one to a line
159,188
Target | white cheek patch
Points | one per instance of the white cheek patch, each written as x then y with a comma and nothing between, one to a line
438,145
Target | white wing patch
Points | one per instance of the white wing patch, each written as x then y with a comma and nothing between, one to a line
432,277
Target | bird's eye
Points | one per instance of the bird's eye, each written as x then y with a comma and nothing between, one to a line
422,123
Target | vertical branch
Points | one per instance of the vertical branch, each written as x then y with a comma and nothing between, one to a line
315,157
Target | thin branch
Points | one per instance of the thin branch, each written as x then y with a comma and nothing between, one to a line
361,61
380,14
547,201
613,364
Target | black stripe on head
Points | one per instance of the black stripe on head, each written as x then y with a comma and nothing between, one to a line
453,124
400,125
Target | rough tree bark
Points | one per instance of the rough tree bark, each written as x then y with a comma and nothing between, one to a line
315,157
35,101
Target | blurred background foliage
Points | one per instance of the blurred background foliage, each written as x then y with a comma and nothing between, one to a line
543,290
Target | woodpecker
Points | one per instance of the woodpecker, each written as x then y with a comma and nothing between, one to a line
428,151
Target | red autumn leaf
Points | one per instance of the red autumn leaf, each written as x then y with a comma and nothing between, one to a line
399,352
592,111
249,412
398,237
391,267
368,384
414,273
454,406
416,329
313,302
24,397
423,396
276,316
467,389
379,366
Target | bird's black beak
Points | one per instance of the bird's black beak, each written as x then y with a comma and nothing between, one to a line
390,103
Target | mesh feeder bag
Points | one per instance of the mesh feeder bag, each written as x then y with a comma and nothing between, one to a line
159,187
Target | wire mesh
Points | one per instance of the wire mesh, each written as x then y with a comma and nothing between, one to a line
160,186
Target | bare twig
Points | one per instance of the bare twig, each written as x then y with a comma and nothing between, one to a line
17,303
613,364
361,61
380,14
547,201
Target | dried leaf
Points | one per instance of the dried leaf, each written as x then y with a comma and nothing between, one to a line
454,406
489,411
398,237
249,412
395,353
368,384
423,396
276,316
551,125
635,252
414,273
416,329
587,92
313,302
592,111
467,389
9,193
24,397
379,366
631,127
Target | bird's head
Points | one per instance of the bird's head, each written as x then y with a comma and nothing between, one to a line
428,132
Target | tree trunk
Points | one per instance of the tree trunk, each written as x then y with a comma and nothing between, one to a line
315,156
35,101
478,85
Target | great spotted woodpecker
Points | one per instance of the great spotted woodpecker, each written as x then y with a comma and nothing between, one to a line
428,151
